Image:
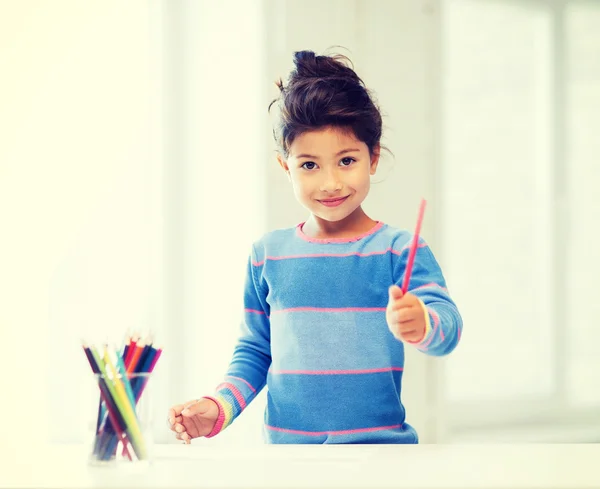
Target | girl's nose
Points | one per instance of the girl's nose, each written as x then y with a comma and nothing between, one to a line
331,183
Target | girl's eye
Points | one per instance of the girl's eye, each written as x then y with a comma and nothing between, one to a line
347,161
309,165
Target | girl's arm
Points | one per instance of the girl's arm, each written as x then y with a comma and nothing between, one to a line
247,372
427,283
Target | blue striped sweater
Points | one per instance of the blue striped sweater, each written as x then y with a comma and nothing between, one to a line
315,333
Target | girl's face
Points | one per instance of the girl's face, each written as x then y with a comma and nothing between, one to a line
330,172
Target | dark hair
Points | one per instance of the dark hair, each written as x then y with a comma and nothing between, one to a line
325,91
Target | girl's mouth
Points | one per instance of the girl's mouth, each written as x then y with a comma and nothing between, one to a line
333,202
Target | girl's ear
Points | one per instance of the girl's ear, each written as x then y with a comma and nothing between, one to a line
284,165
375,159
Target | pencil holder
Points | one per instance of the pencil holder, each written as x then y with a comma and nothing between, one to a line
122,419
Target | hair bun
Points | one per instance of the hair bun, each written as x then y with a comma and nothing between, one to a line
306,64
309,65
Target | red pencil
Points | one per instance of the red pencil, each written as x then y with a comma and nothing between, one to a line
413,248
131,349
135,356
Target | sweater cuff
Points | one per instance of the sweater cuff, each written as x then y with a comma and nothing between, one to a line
427,325
220,419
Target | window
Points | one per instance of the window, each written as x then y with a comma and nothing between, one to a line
521,97
582,177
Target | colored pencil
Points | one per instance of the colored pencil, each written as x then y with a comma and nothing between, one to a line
125,378
131,349
413,248
140,388
135,357
126,408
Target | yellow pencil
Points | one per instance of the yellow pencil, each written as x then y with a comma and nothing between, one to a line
128,410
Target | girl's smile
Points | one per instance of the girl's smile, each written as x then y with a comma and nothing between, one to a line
333,202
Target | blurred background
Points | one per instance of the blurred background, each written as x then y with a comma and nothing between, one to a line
137,166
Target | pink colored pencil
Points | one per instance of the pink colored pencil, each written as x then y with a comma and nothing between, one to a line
130,351
413,248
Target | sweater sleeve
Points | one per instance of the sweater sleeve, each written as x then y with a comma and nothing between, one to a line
247,372
443,320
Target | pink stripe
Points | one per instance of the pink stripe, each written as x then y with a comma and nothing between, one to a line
337,372
330,309
343,432
425,345
436,321
220,419
236,393
254,311
407,246
432,284
459,333
242,380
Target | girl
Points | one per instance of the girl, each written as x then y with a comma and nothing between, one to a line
325,322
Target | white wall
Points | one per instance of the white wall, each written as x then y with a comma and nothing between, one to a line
78,183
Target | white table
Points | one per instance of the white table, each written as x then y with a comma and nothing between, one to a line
300,466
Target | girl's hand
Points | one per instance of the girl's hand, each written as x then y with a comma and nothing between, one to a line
193,419
405,316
